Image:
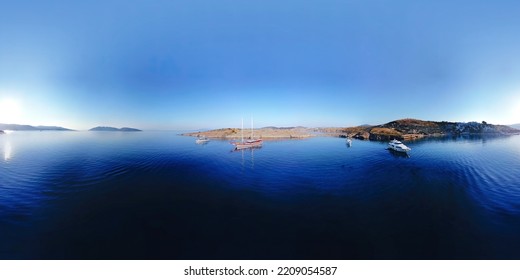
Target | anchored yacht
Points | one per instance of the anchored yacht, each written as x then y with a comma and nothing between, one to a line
246,144
398,146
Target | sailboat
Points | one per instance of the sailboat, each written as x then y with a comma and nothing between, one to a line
246,144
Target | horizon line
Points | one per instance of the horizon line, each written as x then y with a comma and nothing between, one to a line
268,126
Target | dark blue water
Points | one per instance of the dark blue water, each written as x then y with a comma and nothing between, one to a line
157,195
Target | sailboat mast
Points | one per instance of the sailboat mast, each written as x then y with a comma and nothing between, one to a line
251,127
242,130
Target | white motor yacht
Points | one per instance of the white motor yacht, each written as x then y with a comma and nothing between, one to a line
398,146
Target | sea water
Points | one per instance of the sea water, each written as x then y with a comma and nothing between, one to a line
159,195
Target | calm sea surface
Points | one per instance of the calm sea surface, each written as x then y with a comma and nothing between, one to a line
158,195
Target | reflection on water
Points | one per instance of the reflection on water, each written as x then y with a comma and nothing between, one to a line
7,151
250,151
398,154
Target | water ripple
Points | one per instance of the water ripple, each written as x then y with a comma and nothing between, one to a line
444,183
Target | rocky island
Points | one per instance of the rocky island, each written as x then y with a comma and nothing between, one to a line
407,129
404,129
270,132
109,128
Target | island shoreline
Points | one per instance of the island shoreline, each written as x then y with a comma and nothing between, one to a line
403,129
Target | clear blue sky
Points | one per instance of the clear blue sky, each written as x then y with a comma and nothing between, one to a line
191,64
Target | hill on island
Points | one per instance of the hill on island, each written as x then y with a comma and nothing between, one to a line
403,129
517,126
109,128
412,128
21,127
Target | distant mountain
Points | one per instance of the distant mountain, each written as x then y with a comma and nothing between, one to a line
30,127
517,126
129,129
109,128
44,127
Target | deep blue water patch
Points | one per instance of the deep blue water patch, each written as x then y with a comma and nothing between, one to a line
158,195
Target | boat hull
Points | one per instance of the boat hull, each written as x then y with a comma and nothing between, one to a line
401,150
248,144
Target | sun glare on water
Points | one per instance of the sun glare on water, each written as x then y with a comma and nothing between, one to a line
7,151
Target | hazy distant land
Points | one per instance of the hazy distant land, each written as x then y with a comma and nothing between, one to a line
403,129
25,127
109,128
30,127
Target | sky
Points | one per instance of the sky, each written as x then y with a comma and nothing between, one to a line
191,64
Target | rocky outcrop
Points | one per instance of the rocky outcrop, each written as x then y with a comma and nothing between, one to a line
481,128
384,134
408,129
363,135
357,132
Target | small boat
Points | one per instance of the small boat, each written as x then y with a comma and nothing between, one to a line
398,146
247,144
349,142
202,140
